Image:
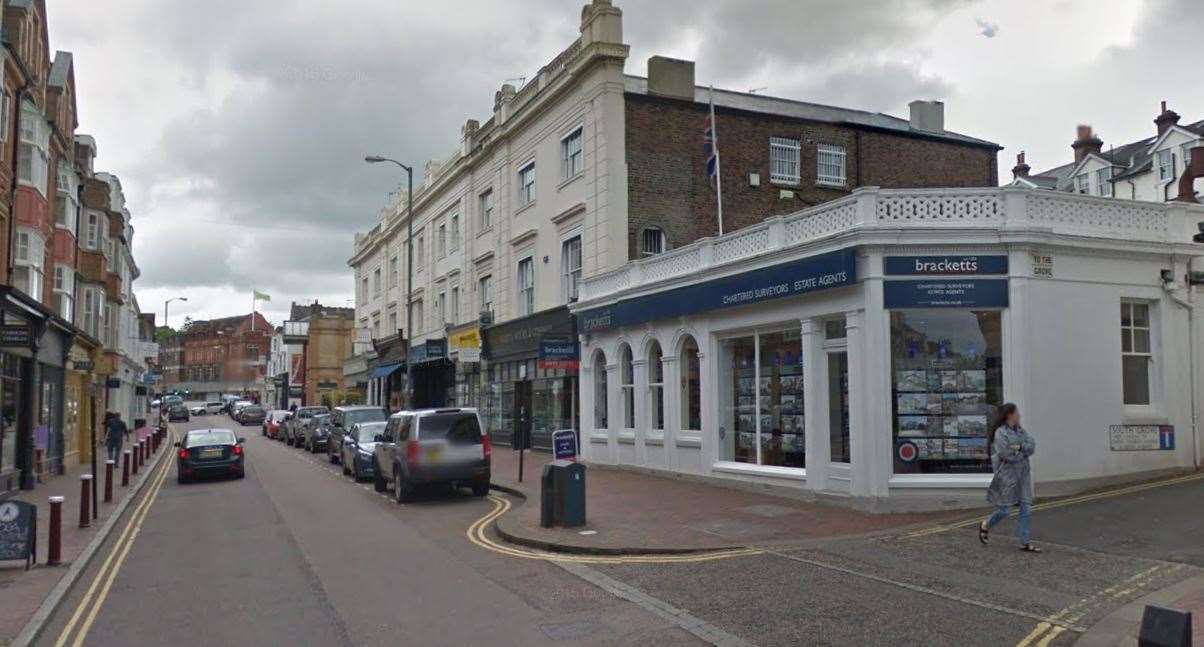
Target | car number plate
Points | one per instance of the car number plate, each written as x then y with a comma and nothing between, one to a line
215,452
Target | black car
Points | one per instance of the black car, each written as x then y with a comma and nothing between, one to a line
315,433
342,419
177,412
252,415
209,452
356,451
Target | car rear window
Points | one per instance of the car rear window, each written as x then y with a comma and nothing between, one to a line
363,415
253,409
456,428
214,437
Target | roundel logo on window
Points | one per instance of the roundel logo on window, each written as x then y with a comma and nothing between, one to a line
908,451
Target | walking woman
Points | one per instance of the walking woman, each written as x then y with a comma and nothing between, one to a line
1012,484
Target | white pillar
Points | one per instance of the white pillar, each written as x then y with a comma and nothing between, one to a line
815,405
872,355
672,398
614,412
639,399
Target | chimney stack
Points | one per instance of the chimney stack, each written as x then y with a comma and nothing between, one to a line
1086,143
928,116
1187,181
1020,169
671,77
1165,119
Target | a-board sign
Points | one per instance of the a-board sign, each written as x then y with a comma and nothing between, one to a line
18,531
564,444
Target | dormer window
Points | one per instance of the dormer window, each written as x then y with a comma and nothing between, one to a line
1103,178
1082,184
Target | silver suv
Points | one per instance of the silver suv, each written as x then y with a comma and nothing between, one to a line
432,446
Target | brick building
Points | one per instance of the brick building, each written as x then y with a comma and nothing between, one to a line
330,334
671,201
66,267
219,356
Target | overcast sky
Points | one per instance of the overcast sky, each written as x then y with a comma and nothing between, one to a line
238,128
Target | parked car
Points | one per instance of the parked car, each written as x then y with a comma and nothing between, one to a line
213,408
197,410
356,448
292,430
315,433
210,452
271,422
238,407
252,415
343,418
282,426
177,412
432,446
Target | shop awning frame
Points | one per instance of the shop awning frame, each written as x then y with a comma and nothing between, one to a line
385,370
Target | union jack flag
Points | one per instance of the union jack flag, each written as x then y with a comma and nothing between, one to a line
710,151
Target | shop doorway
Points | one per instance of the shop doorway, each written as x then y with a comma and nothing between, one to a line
838,405
523,400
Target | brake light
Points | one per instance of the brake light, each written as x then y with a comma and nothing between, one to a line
183,454
487,446
412,451
237,450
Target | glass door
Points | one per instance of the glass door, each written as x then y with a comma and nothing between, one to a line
838,405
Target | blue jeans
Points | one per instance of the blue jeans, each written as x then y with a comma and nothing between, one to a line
1001,513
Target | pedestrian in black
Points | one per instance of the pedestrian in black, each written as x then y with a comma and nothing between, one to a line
116,432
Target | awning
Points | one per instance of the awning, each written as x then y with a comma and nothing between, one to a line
384,370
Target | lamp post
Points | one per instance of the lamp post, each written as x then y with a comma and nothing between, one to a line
167,303
409,332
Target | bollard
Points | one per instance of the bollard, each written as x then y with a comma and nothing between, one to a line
134,461
85,509
125,468
142,451
54,554
109,481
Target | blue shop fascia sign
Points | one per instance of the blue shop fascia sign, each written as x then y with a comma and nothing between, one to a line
952,282
432,349
775,282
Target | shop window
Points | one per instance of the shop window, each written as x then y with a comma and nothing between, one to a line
656,388
600,392
627,387
762,400
10,402
947,372
1135,351
691,386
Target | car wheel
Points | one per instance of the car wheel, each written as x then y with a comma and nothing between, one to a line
378,481
402,488
480,488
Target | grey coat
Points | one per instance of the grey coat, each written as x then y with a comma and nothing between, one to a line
1012,483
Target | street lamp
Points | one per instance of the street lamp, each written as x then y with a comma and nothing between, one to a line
376,159
168,302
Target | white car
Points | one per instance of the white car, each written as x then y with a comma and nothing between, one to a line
198,410
213,408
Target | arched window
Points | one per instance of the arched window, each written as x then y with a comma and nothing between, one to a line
656,388
691,391
600,390
627,387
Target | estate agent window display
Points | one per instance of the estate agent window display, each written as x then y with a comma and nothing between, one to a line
762,400
947,375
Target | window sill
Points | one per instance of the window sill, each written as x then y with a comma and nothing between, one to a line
487,230
831,185
599,439
563,183
526,207
654,438
732,467
627,437
951,481
1136,414
688,440
793,183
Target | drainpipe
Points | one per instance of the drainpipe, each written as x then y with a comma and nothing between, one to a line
1190,306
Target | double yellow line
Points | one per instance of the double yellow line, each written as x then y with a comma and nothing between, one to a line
112,564
477,535
936,530
1053,626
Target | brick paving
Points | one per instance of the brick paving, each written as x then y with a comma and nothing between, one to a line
23,591
641,512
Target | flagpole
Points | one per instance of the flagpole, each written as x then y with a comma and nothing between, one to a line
718,162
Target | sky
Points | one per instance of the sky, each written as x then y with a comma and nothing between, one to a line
239,129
